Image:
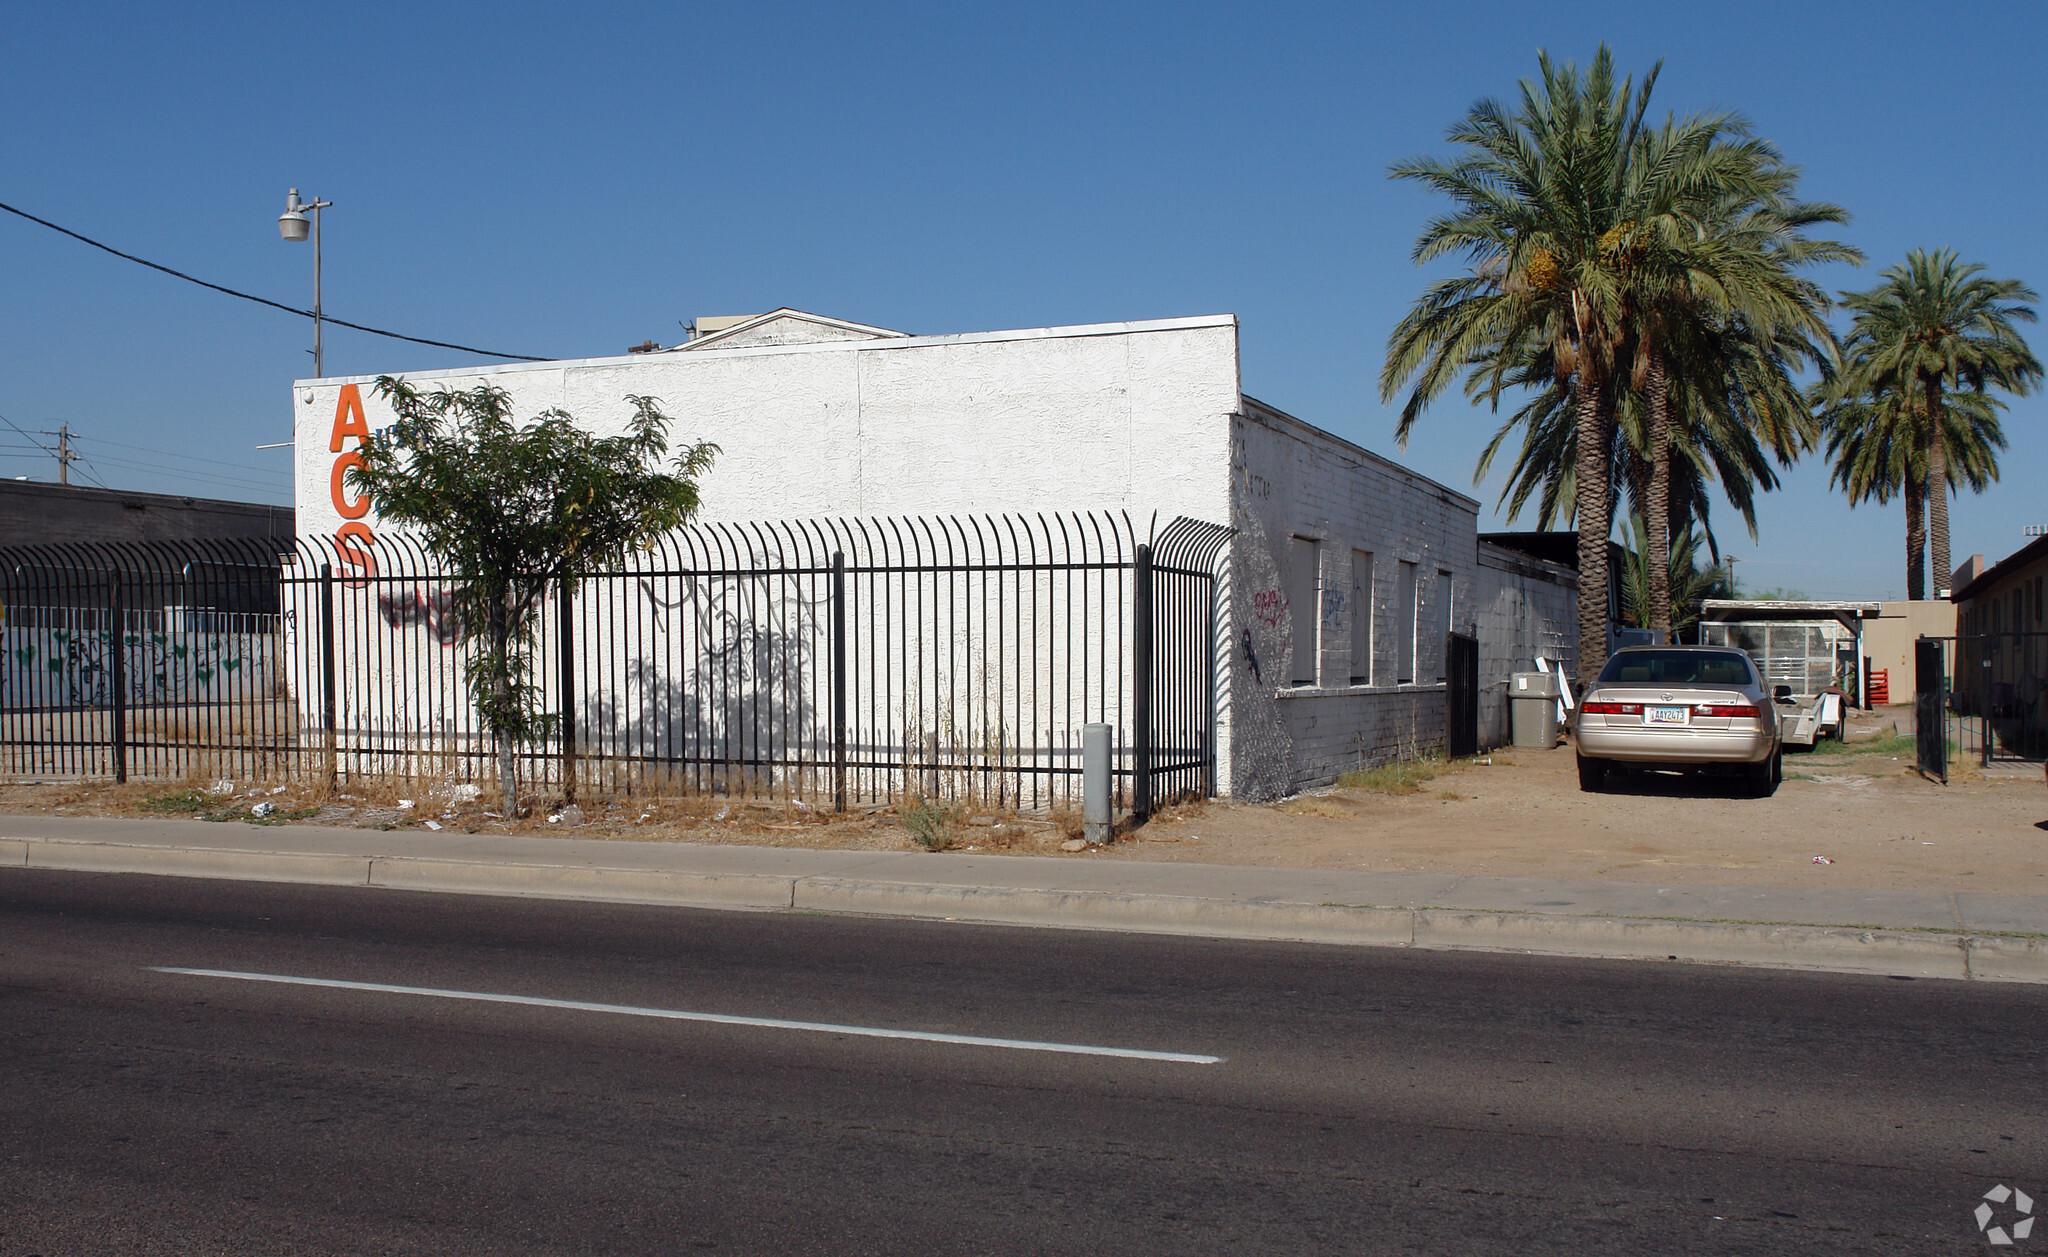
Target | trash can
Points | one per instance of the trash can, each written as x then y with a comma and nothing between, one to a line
1532,709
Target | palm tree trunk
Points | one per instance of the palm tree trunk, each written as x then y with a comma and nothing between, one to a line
1657,507
1593,511
1916,538
1937,489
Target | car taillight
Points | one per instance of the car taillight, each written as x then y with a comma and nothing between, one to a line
1617,709
1731,710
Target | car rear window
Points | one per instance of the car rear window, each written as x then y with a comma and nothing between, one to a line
1677,667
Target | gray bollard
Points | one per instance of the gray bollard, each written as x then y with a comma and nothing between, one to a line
1095,783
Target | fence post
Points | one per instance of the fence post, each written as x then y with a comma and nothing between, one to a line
567,620
117,653
839,680
327,671
1141,685
1209,666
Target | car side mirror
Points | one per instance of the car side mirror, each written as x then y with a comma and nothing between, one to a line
1783,693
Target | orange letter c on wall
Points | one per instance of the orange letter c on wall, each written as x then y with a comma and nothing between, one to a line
338,488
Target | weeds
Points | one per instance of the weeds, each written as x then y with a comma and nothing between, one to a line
1401,776
194,802
1898,744
931,824
178,802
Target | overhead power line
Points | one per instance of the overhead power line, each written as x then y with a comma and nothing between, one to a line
275,305
190,458
46,449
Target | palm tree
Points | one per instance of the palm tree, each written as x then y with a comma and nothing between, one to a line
1876,450
1935,327
1721,313
1538,192
1736,416
1687,585
1590,242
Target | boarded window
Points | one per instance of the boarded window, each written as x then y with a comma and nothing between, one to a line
1361,617
1440,626
1303,597
1404,626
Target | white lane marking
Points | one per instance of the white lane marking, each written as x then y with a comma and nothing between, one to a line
722,1019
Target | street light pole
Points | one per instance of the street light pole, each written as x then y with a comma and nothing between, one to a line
292,225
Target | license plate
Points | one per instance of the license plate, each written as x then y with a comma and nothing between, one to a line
1666,715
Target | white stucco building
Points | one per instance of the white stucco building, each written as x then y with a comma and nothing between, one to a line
1344,575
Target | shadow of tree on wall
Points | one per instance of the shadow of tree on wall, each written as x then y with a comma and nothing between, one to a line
734,687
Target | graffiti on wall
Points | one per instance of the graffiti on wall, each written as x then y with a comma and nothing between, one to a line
1262,750
1269,607
751,654
433,609
1334,602
50,667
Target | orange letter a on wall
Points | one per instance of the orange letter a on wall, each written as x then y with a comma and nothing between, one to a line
348,419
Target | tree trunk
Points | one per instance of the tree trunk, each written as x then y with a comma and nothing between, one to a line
501,692
1937,489
1916,539
1593,511
1657,508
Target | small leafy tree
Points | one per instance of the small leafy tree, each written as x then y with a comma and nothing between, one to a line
512,511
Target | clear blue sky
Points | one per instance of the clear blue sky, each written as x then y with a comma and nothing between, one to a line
570,180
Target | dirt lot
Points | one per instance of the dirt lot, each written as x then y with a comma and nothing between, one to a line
1514,813
1523,815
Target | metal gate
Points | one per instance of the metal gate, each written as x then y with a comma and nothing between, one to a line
1930,702
1981,697
1461,720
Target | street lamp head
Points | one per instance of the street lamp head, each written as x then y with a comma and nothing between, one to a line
293,223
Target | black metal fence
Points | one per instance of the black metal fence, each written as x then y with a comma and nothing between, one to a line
839,662
1986,694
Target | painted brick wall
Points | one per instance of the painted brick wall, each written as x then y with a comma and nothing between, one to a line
1118,416
1293,481
1527,609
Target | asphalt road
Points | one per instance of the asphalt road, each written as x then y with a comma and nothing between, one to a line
1365,1101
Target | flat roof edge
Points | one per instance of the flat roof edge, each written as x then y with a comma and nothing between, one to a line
1789,606
1362,452
880,345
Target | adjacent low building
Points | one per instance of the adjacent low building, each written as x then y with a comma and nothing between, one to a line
2000,664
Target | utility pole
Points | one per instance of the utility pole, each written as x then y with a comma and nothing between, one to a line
64,455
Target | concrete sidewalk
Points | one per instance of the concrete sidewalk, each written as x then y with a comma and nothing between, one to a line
1977,936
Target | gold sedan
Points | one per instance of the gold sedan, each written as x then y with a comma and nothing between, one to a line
1690,707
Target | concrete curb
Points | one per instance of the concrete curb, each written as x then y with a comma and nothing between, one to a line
1904,953
248,866
552,881
1105,910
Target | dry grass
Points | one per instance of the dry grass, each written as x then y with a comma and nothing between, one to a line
381,803
1401,776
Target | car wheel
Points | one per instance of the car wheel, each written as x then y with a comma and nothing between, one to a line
1763,778
1591,773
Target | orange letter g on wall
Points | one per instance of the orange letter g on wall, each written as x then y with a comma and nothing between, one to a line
349,421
